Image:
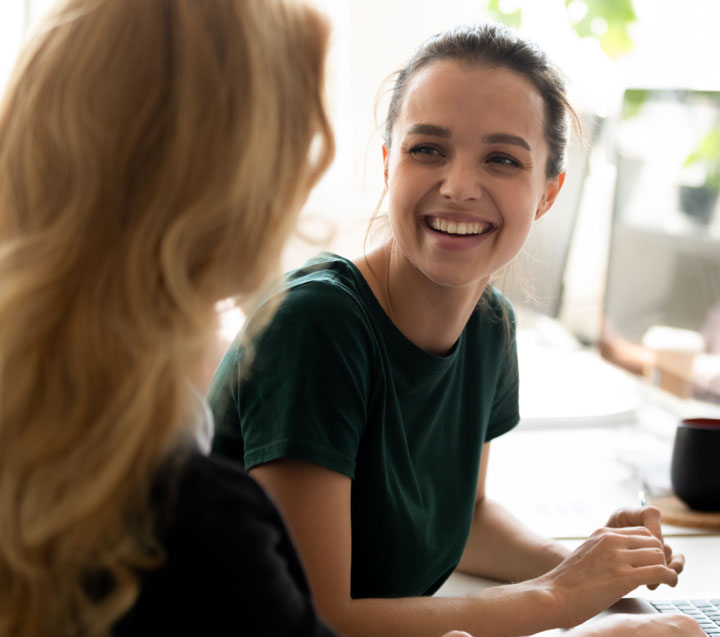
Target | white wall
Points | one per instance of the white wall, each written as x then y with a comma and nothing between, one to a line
12,25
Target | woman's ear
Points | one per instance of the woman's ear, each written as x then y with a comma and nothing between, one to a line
551,192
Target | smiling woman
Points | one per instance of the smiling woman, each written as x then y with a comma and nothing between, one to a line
368,407
469,150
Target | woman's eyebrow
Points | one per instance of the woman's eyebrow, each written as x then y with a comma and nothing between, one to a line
429,129
506,138
493,138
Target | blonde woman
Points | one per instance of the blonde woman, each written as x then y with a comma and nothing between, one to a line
153,155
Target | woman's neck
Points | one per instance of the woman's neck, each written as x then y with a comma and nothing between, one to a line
429,315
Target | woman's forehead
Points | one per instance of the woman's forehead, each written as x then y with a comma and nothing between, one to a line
457,96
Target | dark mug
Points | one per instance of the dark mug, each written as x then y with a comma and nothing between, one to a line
695,466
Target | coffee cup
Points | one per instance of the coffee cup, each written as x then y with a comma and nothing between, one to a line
695,465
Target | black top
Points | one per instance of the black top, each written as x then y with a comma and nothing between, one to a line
230,568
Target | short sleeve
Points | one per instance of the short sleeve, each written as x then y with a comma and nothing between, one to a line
505,413
304,393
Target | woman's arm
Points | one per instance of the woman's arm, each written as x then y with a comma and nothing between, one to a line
316,505
501,547
643,625
638,625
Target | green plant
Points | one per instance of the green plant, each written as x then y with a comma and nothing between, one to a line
633,102
513,17
607,20
707,155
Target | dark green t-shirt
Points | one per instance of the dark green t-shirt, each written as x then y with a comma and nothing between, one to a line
335,383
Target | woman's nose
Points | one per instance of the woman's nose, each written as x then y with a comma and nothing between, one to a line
461,182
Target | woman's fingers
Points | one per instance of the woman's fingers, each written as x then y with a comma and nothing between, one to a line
610,564
631,531
655,575
631,538
676,562
649,517
639,557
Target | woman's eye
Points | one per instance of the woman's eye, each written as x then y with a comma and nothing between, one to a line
425,150
504,160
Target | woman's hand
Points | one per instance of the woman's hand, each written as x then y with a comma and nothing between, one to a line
649,517
610,564
640,626
620,625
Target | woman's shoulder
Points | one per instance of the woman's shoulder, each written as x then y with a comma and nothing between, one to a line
326,280
215,482
227,558
198,494
220,514
327,295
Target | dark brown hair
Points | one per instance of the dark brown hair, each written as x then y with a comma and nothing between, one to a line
494,45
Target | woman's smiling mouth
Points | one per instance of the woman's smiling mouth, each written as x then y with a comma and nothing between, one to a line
459,228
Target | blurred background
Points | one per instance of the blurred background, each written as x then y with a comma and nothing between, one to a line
628,260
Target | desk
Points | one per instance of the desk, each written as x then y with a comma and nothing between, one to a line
565,483
591,437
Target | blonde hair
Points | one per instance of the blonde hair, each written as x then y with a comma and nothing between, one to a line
153,157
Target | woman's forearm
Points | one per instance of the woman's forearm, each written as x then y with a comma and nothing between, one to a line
501,547
502,611
610,564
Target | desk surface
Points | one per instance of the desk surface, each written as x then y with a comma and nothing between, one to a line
565,483
569,464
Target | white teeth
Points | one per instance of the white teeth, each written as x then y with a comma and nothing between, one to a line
461,228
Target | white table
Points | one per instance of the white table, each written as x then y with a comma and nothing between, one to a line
591,437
